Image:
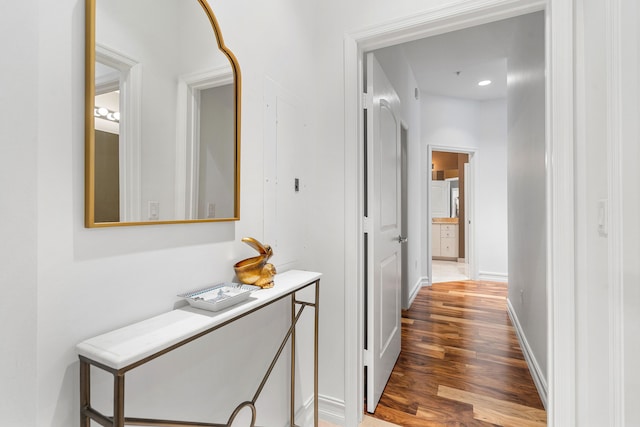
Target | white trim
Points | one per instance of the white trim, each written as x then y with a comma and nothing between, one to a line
615,218
130,136
188,135
331,410
493,277
532,362
560,119
420,283
441,19
354,299
560,183
304,414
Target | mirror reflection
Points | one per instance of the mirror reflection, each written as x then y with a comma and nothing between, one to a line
163,129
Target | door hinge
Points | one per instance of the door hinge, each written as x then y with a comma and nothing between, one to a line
366,357
367,100
366,224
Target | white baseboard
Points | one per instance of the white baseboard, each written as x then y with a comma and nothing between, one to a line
329,409
304,414
493,277
536,373
423,281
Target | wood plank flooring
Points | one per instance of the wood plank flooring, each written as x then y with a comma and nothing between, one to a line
461,363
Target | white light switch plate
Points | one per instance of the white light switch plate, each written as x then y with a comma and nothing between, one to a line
603,217
154,210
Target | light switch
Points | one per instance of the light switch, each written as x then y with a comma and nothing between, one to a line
603,217
154,210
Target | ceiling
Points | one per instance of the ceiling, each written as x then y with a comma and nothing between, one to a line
453,63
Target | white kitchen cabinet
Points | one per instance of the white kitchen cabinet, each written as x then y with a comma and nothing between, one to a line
444,240
435,239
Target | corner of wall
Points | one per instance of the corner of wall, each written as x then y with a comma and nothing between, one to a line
422,281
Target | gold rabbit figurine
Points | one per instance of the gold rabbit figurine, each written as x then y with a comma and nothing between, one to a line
255,270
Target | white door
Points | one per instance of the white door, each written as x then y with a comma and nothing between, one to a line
384,251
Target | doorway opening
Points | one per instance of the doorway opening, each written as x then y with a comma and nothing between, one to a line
455,117
450,194
558,178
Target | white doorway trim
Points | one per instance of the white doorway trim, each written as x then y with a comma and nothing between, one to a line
130,137
470,250
188,135
560,115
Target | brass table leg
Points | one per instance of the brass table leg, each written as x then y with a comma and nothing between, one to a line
292,414
315,354
118,400
85,393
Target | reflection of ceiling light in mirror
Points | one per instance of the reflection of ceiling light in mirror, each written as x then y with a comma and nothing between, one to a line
104,113
484,83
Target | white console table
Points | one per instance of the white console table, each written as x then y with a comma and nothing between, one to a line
124,349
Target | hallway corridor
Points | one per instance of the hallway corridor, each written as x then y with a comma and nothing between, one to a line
461,363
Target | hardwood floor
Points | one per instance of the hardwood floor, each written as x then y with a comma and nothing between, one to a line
461,363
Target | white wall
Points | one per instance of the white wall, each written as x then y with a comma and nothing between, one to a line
481,126
526,181
491,191
19,112
451,122
71,282
401,77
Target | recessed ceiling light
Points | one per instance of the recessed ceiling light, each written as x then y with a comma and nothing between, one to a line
484,83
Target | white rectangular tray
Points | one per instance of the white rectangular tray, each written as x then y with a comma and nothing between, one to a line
220,296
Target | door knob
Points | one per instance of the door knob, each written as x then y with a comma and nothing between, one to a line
402,239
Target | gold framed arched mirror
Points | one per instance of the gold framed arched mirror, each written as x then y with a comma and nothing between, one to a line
162,115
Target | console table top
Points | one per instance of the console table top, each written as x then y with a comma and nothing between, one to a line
126,346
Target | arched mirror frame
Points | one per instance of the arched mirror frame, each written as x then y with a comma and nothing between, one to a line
90,60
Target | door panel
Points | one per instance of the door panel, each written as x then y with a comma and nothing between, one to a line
390,322
384,286
387,166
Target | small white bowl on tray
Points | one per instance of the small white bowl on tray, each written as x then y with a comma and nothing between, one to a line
220,296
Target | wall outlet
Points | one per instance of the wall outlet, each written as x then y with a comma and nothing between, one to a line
154,210
211,210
